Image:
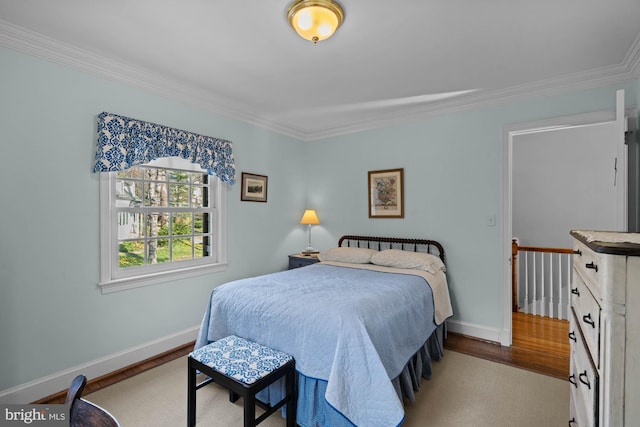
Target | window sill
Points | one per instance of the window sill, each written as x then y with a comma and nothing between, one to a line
117,285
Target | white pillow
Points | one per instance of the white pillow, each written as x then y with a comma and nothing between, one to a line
406,259
347,254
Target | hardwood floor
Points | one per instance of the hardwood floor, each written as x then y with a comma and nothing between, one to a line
539,344
124,373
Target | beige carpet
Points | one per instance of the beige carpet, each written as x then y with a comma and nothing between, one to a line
464,391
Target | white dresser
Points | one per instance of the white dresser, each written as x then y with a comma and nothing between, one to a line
605,330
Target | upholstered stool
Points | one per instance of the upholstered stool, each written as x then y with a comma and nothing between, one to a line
244,368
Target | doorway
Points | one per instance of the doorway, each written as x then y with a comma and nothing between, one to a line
615,124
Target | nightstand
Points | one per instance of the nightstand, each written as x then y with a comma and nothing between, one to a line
302,260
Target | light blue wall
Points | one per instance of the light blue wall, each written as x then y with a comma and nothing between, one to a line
52,314
453,177
49,219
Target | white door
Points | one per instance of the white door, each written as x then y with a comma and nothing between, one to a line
562,180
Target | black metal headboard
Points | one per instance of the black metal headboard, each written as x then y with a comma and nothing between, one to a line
381,243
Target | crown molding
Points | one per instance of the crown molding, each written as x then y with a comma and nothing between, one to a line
35,44
632,59
591,79
38,45
628,70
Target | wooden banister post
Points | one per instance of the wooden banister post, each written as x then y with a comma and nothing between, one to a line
514,275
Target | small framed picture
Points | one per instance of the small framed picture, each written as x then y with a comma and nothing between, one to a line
386,193
254,187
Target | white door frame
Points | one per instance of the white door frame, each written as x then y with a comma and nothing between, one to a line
509,132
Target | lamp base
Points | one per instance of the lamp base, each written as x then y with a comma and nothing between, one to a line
309,250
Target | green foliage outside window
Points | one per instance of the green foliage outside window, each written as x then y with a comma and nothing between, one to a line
157,237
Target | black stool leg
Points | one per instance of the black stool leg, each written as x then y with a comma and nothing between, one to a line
249,409
292,403
191,396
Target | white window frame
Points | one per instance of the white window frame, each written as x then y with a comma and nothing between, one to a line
114,279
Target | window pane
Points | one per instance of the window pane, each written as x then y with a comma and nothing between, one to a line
130,225
127,193
155,174
158,251
196,178
198,224
155,194
182,249
178,176
131,254
179,195
157,224
197,196
198,247
181,223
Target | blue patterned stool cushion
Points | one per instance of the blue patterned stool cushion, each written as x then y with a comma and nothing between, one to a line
241,359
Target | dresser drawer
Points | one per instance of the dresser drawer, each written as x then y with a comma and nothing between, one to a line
587,316
573,414
578,416
601,272
584,381
589,265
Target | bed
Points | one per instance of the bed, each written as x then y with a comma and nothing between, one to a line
363,324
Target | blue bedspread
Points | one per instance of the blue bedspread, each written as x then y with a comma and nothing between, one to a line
354,328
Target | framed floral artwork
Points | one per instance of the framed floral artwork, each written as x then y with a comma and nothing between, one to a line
254,188
386,193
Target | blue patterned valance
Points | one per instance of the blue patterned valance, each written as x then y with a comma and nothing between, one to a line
124,142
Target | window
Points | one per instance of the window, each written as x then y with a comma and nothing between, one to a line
161,221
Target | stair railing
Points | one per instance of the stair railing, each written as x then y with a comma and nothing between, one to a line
541,282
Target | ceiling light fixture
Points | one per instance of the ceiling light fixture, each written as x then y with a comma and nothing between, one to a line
315,20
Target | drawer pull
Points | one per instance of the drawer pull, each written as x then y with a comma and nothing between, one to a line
587,319
585,381
572,380
572,336
575,291
592,266
578,252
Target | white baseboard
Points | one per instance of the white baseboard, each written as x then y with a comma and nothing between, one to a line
476,331
46,386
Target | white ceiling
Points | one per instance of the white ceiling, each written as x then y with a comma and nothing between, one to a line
390,62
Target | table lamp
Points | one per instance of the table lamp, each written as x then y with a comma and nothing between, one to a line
309,218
